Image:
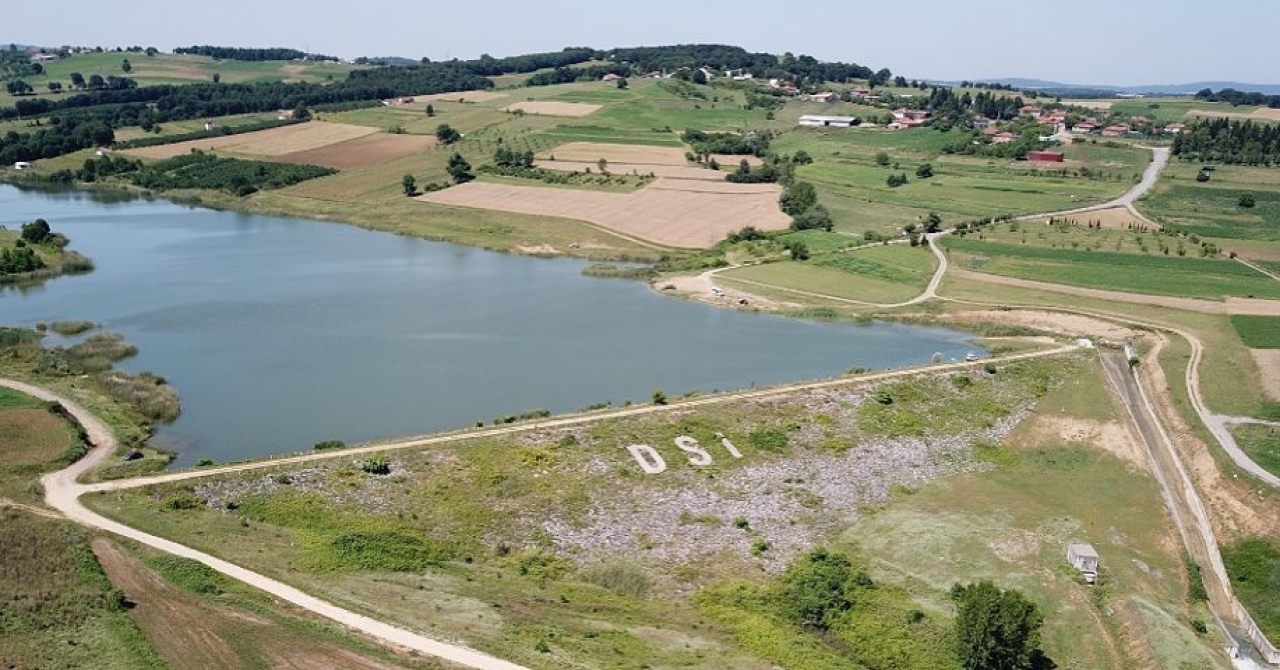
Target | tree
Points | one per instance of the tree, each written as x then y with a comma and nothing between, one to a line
217,77
622,83
932,223
798,199
431,109
924,171
410,185
1246,201
997,630
896,180
815,218
882,159
603,165
1202,177
446,134
818,588
18,87
699,77
96,81
301,113
459,169
126,66
55,87
36,231
77,80
799,250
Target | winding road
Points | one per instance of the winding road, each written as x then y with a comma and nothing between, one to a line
63,490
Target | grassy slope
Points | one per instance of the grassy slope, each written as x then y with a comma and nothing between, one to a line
1262,443
1211,209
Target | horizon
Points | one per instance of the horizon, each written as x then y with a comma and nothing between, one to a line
1042,47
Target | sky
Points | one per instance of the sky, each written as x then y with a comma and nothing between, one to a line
1119,43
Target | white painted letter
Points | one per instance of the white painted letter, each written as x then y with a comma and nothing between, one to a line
733,451
649,459
697,455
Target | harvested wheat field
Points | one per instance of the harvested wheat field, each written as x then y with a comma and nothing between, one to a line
551,108
635,154
272,142
361,152
673,171
460,96
718,186
666,215
1113,218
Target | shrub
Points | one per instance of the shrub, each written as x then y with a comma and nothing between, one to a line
329,444
391,551
623,578
376,465
768,440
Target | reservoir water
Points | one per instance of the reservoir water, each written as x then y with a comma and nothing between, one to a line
278,333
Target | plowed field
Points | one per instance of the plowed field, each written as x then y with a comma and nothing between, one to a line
362,151
271,142
550,108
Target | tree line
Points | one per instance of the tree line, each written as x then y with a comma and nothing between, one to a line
1229,141
251,54
1234,97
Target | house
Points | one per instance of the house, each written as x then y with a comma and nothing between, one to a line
1031,111
22,165
210,125
1004,137
909,118
1085,127
1175,128
286,114
611,77
860,92
981,123
1084,558
707,72
1046,156
815,120
1117,130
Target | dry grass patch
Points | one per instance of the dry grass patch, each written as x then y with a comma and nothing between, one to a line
272,142
1253,307
1055,322
673,171
1268,361
664,213
363,151
460,96
552,108
590,152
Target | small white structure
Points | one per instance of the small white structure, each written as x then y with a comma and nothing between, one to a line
22,165
815,120
1084,558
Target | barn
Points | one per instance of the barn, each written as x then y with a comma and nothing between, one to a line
1046,156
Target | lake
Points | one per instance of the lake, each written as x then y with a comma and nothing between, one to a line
278,333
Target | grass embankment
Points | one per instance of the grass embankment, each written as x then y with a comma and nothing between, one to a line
878,274
1254,567
511,544
131,404
60,610
1262,444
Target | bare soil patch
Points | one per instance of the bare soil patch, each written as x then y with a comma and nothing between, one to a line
191,633
361,152
271,142
1253,306
1113,218
1111,436
1268,361
714,187
460,96
552,108
1065,324
1093,104
666,216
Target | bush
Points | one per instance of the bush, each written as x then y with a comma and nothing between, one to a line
623,578
384,550
329,444
1246,201
376,465
769,440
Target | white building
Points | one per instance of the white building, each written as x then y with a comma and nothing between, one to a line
1084,558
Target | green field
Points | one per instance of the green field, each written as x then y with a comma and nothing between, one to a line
1212,209
1261,443
1258,332
1160,275
875,275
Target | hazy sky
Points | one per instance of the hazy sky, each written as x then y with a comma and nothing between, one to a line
1126,42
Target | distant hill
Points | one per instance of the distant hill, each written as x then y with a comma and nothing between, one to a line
1155,89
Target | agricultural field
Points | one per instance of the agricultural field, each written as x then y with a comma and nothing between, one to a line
1258,332
1212,208
1105,268
178,69
1253,564
669,212
263,143
507,544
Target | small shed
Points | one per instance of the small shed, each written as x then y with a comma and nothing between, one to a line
1046,156
1084,558
22,165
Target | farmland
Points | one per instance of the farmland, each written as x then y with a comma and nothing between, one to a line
264,143
1258,332
1212,208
